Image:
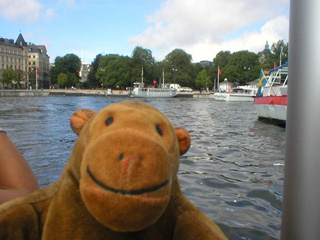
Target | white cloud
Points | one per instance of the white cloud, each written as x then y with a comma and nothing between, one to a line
205,27
20,10
69,2
272,31
49,14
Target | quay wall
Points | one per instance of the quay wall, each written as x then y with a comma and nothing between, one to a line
24,93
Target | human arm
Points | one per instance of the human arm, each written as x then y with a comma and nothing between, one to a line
16,176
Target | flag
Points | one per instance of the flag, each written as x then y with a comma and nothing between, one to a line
38,72
262,82
275,65
219,71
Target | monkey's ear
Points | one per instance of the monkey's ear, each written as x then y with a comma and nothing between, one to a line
184,139
79,119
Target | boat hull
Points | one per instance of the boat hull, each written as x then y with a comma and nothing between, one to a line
271,108
153,93
233,97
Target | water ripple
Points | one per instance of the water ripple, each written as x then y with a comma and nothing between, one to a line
233,171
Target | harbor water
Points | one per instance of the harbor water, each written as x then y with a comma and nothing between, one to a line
233,171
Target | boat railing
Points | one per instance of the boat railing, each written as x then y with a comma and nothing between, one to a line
278,77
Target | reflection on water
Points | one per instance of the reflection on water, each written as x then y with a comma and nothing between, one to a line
233,171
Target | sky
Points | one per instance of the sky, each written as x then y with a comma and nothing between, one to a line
201,28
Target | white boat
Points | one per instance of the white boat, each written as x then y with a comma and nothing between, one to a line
164,91
238,94
271,103
140,91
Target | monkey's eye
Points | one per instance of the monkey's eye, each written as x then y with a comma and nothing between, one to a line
159,130
109,121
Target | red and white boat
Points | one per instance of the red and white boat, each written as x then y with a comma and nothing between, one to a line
271,103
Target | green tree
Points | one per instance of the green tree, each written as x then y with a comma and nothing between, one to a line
93,81
280,50
222,59
203,80
177,65
142,57
19,76
268,60
63,80
115,71
70,63
243,67
73,80
32,76
8,75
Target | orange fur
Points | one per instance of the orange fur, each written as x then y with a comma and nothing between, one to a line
119,183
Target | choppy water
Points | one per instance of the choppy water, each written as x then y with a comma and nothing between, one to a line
233,171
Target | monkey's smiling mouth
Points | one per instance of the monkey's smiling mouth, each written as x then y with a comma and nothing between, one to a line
127,192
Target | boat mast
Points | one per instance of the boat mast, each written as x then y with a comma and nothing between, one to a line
301,195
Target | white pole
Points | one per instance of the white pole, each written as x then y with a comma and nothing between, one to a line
301,211
163,77
218,80
142,74
36,78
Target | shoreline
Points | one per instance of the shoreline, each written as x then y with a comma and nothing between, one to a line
86,92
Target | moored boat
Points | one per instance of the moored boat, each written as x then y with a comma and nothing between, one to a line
163,91
238,94
271,102
152,92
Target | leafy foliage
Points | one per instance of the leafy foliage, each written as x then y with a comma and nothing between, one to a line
142,57
115,71
8,75
242,67
203,80
178,63
62,79
70,65
93,81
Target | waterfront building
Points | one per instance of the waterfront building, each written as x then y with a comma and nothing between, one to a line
29,61
39,64
225,86
84,70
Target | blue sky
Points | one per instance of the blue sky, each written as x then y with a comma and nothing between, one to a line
90,27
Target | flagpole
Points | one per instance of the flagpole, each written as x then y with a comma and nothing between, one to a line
142,74
163,77
36,78
218,80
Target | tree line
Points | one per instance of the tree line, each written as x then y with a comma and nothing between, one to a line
119,72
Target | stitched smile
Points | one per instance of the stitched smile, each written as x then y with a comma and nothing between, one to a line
125,192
